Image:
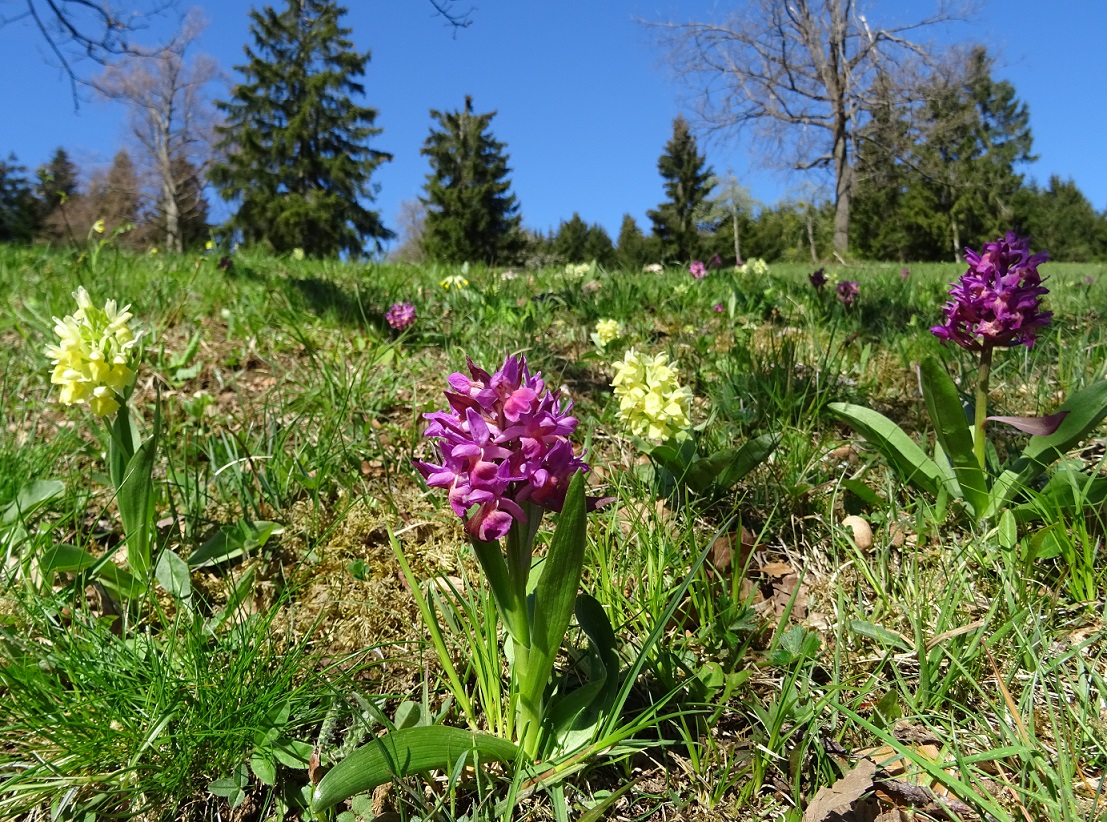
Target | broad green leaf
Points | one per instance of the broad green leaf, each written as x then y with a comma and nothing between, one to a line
1086,408
1067,492
864,492
880,634
952,430
555,595
65,559
173,575
1008,531
576,715
125,584
727,467
233,541
292,753
135,497
912,463
402,753
264,766
30,498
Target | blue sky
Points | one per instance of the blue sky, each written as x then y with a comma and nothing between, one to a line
585,98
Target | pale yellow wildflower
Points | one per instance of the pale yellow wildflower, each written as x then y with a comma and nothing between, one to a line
755,266
652,402
607,331
94,360
455,280
297,254
98,226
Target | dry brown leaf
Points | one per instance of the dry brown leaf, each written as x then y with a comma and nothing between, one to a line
782,594
838,798
777,569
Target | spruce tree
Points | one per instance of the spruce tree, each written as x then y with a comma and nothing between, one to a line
688,181
18,207
57,180
295,141
472,216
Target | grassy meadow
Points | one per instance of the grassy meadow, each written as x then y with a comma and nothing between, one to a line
767,646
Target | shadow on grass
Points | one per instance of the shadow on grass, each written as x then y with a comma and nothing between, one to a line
327,300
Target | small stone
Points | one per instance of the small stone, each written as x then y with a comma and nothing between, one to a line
862,533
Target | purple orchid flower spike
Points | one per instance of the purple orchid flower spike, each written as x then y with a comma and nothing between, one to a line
997,301
504,442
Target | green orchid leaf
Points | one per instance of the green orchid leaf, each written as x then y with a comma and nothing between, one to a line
135,494
1086,408
31,497
952,430
576,715
406,752
234,541
726,468
1067,492
554,598
909,460
65,559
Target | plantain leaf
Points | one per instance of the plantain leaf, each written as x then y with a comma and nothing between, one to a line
952,430
406,752
912,463
173,575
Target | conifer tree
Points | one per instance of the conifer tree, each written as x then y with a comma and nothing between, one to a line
295,141
472,216
18,208
634,247
57,180
688,181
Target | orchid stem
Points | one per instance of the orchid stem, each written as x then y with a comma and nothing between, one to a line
982,403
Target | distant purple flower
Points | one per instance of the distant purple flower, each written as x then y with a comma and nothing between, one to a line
715,262
503,443
905,273
400,315
848,291
697,269
996,302
817,278
225,264
718,308
1089,281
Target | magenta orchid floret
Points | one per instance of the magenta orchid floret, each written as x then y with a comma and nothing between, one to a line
818,279
503,443
400,315
997,301
697,269
848,291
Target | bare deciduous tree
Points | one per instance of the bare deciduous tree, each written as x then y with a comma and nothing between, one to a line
103,31
171,120
88,29
801,73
